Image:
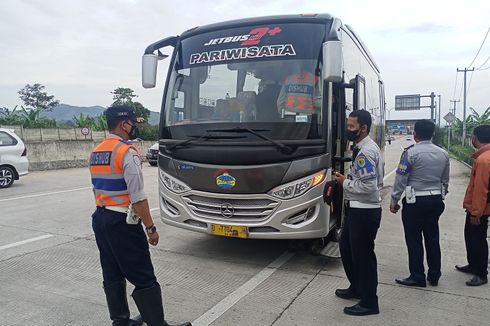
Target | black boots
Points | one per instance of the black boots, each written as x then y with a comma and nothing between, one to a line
118,305
150,306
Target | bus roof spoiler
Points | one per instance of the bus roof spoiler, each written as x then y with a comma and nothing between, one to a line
168,41
150,60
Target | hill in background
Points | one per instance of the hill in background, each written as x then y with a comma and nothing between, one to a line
65,113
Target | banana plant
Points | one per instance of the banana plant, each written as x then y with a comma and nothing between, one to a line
481,119
83,121
31,117
100,123
10,117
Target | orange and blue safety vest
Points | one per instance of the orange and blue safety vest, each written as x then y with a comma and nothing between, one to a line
106,169
299,92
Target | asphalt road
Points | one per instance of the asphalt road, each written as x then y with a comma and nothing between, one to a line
50,273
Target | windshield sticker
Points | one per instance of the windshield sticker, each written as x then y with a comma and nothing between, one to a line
225,181
252,43
302,118
279,50
252,38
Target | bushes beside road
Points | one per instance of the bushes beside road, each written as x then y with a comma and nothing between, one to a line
462,153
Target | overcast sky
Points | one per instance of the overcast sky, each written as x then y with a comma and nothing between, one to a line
82,49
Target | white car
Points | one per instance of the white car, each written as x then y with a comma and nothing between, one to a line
152,155
13,158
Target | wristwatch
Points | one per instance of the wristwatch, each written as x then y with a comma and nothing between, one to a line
152,229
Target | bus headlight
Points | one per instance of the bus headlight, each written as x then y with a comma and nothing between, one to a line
173,184
299,187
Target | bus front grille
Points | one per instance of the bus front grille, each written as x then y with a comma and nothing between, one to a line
231,209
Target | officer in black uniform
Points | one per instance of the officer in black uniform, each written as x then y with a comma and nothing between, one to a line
423,174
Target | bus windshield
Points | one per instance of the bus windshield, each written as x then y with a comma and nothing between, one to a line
237,82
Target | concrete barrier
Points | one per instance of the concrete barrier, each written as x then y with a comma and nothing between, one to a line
64,154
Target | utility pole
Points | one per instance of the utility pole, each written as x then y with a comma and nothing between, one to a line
432,107
439,119
463,136
454,105
450,130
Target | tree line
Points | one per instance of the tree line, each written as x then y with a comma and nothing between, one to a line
36,100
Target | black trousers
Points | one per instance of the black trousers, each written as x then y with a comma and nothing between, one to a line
422,218
357,250
475,237
124,250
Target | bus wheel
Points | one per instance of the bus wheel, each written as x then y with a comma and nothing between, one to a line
317,246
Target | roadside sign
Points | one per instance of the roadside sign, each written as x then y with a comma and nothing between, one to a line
450,118
85,131
407,102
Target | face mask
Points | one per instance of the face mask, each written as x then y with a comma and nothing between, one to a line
133,133
352,135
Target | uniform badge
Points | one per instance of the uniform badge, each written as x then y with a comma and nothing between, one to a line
137,160
361,162
404,167
364,168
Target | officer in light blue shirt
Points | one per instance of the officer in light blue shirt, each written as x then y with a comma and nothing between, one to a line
362,216
423,174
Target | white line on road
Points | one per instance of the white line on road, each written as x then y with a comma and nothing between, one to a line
221,307
154,209
389,175
45,194
15,244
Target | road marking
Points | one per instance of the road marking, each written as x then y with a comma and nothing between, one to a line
154,209
221,307
389,175
45,194
15,244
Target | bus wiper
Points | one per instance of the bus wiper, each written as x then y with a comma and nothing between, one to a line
284,148
198,138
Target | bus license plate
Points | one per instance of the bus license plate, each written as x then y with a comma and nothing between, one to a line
229,231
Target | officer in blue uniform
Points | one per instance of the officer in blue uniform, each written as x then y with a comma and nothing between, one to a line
363,216
122,208
423,174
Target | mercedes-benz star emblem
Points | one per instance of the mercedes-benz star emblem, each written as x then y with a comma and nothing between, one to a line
227,210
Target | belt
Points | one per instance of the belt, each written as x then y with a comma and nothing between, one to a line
427,193
357,204
119,209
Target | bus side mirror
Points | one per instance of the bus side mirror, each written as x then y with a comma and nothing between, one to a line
149,70
332,61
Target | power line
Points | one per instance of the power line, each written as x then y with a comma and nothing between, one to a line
469,84
479,68
455,84
481,46
460,92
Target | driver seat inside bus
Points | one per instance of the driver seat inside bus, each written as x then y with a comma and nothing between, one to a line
266,101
